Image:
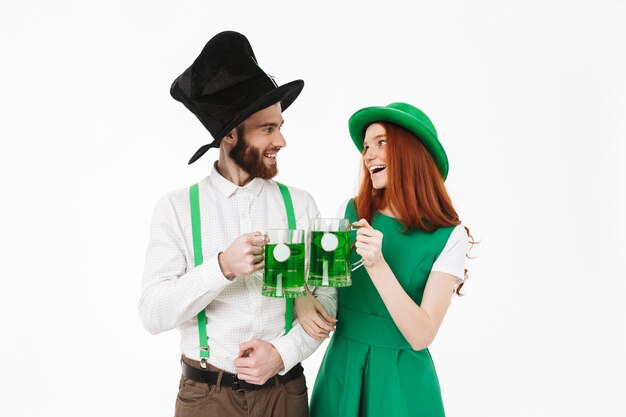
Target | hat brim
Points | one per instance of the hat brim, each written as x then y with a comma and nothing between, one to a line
360,120
286,94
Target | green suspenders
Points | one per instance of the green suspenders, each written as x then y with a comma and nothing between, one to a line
291,224
194,202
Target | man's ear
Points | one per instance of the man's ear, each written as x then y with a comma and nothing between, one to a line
231,137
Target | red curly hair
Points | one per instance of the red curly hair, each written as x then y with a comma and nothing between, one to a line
415,191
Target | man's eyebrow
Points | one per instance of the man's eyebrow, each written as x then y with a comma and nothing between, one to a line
270,124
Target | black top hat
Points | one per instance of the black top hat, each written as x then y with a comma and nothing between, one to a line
225,85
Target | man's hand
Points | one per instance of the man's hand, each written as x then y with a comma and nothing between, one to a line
244,256
258,361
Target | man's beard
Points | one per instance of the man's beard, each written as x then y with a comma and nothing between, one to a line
250,159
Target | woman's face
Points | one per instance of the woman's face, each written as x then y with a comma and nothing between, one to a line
375,154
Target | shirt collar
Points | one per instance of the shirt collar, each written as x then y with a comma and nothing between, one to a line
228,188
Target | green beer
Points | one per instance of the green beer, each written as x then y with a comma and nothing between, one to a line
284,264
330,259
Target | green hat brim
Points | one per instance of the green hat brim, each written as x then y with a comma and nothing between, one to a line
360,120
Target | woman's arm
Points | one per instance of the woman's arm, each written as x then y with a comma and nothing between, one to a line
313,317
419,324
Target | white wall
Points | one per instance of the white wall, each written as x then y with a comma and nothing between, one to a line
529,101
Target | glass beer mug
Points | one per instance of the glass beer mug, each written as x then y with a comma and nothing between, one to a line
329,264
283,276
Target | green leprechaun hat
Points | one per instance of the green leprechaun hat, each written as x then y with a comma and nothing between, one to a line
406,116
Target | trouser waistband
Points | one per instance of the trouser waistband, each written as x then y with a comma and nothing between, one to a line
227,379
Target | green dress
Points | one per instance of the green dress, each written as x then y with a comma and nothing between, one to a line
369,368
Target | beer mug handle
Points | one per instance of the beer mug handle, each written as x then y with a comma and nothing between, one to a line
358,263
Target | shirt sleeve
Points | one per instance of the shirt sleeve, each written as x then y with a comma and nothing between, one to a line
341,212
297,345
173,290
294,347
452,257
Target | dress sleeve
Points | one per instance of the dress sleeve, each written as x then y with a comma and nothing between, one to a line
452,257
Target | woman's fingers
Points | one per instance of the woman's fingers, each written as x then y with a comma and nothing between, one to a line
363,252
372,241
311,331
317,325
369,233
366,245
319,308
322,312
361,223
368,240
317,328
323,326
315,333
312,327
314,319
366,232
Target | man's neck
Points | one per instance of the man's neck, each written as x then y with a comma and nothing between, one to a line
232,172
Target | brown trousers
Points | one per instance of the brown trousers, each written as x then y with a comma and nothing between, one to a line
198,399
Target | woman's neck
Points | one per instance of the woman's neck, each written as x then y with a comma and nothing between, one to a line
388,211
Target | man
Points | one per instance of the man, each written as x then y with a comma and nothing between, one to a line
203,272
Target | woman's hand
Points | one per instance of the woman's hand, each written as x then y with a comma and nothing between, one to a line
369,244
313,317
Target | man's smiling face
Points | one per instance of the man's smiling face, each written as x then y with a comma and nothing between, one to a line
258,141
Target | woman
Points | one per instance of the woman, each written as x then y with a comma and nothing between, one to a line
377,363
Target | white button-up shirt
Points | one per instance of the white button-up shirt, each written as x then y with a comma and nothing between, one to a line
174,291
